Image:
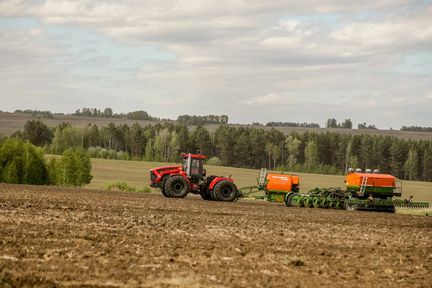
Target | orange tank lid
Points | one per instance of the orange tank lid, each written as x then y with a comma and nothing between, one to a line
374,175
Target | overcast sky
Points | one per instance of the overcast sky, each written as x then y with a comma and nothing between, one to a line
294,61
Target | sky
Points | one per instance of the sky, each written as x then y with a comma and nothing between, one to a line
255,61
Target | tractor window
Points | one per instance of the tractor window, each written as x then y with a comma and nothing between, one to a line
184,164
195,169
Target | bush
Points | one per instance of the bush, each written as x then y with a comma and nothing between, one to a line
121,185
214,161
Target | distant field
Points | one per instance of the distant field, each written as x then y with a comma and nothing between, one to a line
11,122
136,174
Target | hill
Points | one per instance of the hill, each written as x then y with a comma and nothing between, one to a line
11,122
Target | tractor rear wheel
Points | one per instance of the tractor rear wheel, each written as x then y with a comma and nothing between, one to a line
205,191
176,186
206,195
225,190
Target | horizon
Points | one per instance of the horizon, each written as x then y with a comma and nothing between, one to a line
321,126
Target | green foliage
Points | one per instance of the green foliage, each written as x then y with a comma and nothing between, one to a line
201,139
427,164
397,158
73,169
139,115
215,161
22,163
416,128
202,120
66,137
121,185
289,124
332,123
311,155
411,165
37,132
248,147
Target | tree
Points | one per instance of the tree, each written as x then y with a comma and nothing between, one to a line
411,165
22,163
331,123
201,140
292,145
427,164
138,115
311,155
37,132
347,124
149,151
108,112
162,145
84,163
74,168
397,158
65,138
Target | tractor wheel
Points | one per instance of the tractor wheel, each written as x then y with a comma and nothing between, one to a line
225,190
205,191
162,187
206,195
176,186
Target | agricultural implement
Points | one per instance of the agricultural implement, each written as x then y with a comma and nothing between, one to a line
364,191
178,180
274,185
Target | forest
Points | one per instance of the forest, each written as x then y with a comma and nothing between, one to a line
246,147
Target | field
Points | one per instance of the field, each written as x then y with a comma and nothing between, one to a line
136,174
11,122
56,237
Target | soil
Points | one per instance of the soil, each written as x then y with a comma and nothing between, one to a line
57,237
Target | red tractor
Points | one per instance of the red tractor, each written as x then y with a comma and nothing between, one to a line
177,181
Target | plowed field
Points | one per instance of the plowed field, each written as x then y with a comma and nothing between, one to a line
54,237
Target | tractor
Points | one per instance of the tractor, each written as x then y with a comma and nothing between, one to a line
178,180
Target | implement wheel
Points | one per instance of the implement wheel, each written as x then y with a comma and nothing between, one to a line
176,186
225,190
289,199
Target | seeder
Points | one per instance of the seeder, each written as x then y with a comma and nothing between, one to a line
364,191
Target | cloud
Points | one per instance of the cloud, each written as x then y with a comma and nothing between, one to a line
270,99
224,53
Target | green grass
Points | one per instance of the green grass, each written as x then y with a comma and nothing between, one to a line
136,174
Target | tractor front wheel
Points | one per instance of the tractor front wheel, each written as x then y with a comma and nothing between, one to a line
162,187
225,190
176,186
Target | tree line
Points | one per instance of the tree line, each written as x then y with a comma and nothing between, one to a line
194,120
416,129
292,124
247,147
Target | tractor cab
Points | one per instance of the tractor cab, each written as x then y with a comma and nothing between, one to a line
193,165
